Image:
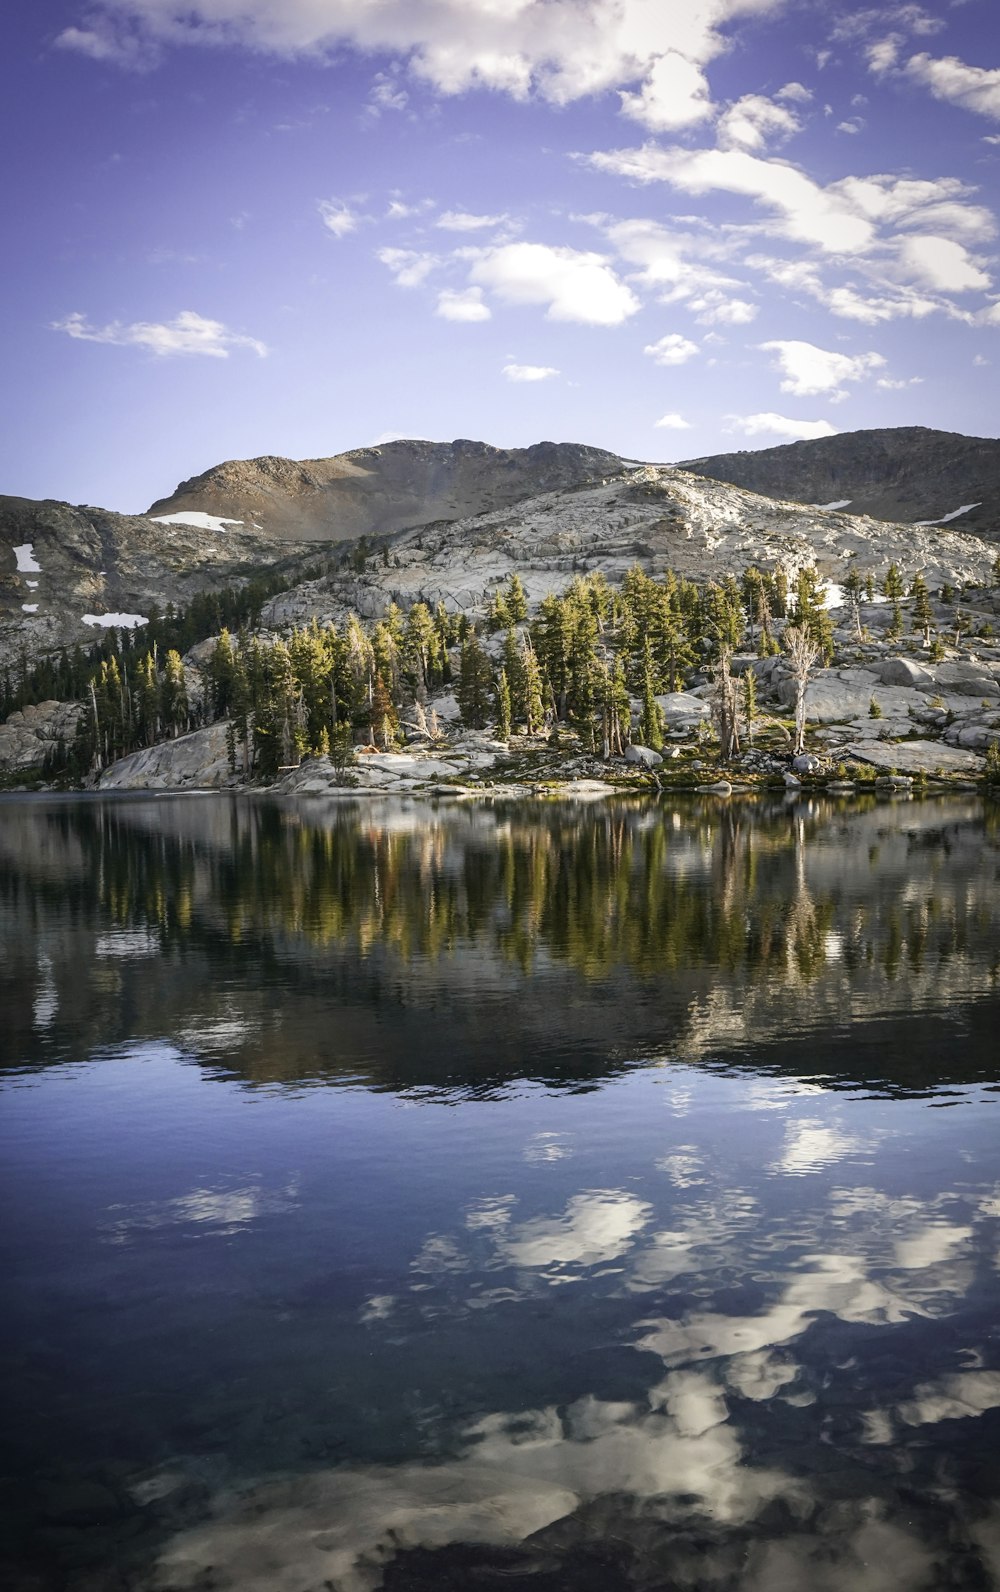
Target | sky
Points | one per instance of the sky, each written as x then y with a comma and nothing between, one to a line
665,227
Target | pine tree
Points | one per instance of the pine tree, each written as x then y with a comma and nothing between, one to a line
517,602
503,707
892,585
923,613
651,719
534,709
474,683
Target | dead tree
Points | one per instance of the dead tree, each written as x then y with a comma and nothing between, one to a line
802,654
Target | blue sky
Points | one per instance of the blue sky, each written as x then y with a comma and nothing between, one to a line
665,227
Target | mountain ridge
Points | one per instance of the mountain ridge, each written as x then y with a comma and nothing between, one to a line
901,474
385,489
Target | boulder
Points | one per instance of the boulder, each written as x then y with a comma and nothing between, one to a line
680,707
644,756
806,763
903,671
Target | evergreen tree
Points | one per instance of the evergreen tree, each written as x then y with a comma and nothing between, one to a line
475,681
651,719
923,613
503,707
517,602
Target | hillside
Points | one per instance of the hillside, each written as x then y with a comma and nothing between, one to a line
377,491
906,474
65,569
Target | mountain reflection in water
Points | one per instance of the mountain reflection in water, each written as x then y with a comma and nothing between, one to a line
417,1198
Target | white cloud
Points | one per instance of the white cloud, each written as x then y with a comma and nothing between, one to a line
386,95
672,422
780,426
672,349
716,309
808,370
674,94
672,263
560,50
462,221
462,305
187,333
529,372
855,125
338,217
575,285
804,211
883,54
894,384
974,88
796,92
409,267
941,263
753,121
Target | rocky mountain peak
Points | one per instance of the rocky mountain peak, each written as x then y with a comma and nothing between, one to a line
382,489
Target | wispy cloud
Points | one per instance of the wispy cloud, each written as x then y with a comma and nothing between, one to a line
187,333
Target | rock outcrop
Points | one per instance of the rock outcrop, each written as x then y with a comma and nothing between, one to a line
659,517
377,491
196,761
63,570
29,736
901,473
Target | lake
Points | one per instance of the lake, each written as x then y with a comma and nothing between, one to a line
582,1198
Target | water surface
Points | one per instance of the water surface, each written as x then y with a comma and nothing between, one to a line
580,1197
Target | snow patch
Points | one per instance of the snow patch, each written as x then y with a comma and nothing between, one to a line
25,555
965,509
841,503
833,595
202,522
32,585
30,608
118,621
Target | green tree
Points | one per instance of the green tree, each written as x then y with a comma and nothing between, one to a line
475,680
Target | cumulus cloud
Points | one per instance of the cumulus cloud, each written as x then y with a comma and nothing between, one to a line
529,372
462,305
807,369
672,422
575,285
187,333
672,349
560,50
674,94
338,217
780,426
753,122
974,88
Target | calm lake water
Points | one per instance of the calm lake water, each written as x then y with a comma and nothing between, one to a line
582,1199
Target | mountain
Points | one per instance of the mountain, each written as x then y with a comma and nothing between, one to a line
654,515
375,491
64,568
906,474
